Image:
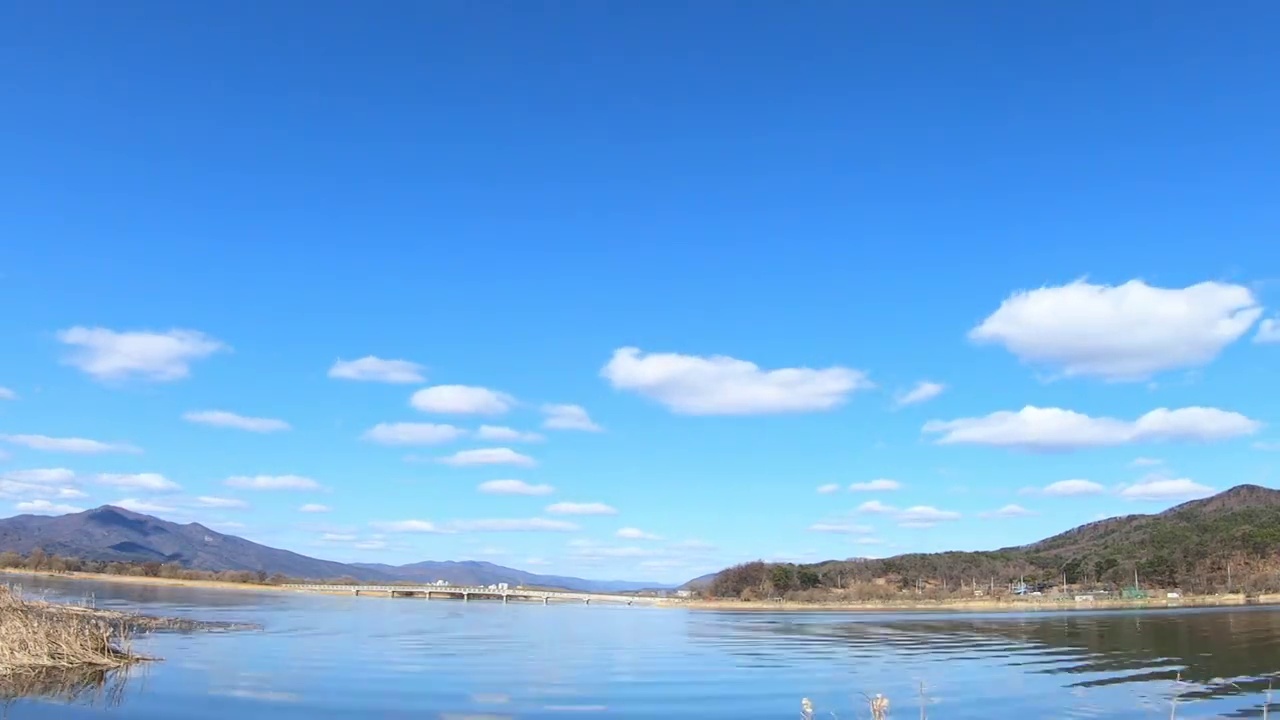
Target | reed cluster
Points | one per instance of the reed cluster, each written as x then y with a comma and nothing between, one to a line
38,636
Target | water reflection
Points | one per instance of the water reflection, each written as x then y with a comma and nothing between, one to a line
93,687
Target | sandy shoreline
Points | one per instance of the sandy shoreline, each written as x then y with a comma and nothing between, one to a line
963,605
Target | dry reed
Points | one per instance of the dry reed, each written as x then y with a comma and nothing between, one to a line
38,636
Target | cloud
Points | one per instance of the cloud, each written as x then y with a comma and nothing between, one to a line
272,482
209,501
142,506
338,537
568,417
7,394
1145,462
462,400
505,434
630,533
79,446
507,525
878,485
923,391
375,369
314,508
917,516
1267,445
370,545
1156,487
409,526
1008,511
488,525
410,433
839,528
44,507
1054,429
598,552
876,507
488,456
1072,488
41,475
721,385
222,418
160,357
828,489
1268,331
514,487
576,508
153,482
1120,333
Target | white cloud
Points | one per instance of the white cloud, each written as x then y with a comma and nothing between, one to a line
80,446
1055,429
508,525
7,394
154,482
576,508
410,433
220,502
917,516
923,391
488,456
721,385
839,528
514,487
1008,511
370,545
338,537
222,418
568,417
1120,333
110,355
505,434
314,508
41,475
630,533
877,485
44,507
409,526
1071,488
272,482
375,369
1146,462
876,507
828,489
1156,487
1268,331
142,506
462,400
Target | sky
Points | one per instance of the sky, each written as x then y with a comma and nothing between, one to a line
637,291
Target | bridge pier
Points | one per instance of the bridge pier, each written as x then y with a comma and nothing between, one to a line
586,601
466,597
357,593
545,599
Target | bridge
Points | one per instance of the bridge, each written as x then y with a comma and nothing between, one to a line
466,593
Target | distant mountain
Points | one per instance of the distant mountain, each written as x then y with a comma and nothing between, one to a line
471,572
114,534
1230,540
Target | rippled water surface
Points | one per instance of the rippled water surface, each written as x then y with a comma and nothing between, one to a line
344,657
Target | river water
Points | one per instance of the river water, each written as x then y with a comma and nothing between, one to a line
320,657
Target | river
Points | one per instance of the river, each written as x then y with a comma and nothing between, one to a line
320,657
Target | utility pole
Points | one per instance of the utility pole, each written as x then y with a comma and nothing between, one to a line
1228,577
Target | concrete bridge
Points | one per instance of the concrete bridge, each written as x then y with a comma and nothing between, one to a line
467,593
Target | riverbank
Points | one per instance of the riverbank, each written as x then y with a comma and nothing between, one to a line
1040,604
141,580
38,636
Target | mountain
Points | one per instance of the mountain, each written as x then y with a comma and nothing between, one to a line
471,572
1228,541
114,534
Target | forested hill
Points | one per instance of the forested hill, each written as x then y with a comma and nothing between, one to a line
1189,546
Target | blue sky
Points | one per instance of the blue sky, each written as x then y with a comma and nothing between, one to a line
734,238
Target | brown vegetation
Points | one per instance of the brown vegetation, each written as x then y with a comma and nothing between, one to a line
37,636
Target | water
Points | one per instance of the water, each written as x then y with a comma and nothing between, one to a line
322,657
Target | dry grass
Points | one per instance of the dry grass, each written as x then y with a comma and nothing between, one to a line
38,637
